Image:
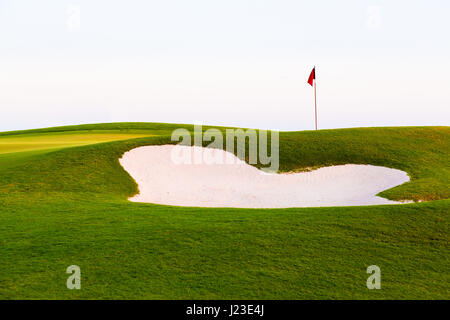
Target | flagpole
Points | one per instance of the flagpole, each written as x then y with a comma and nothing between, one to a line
315,99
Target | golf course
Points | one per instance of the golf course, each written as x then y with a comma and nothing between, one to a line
64,201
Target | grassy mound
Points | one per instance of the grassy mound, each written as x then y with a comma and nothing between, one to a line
63,201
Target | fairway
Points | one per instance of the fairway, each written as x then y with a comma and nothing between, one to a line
58,140
63,199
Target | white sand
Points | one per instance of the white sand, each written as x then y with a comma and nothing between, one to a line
162,181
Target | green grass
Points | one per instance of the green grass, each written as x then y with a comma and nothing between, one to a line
64,202
59,140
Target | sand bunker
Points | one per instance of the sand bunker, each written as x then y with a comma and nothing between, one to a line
162,180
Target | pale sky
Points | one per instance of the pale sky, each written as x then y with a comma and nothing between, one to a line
229,62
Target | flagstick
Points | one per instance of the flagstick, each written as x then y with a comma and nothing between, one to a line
315,100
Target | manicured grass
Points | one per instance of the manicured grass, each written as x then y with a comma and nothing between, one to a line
58,140
68,206
16,149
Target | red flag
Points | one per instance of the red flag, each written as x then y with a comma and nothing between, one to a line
312,76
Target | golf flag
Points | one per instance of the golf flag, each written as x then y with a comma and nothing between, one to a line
312,76
312,81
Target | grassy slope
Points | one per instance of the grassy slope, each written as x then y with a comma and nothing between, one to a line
69,206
